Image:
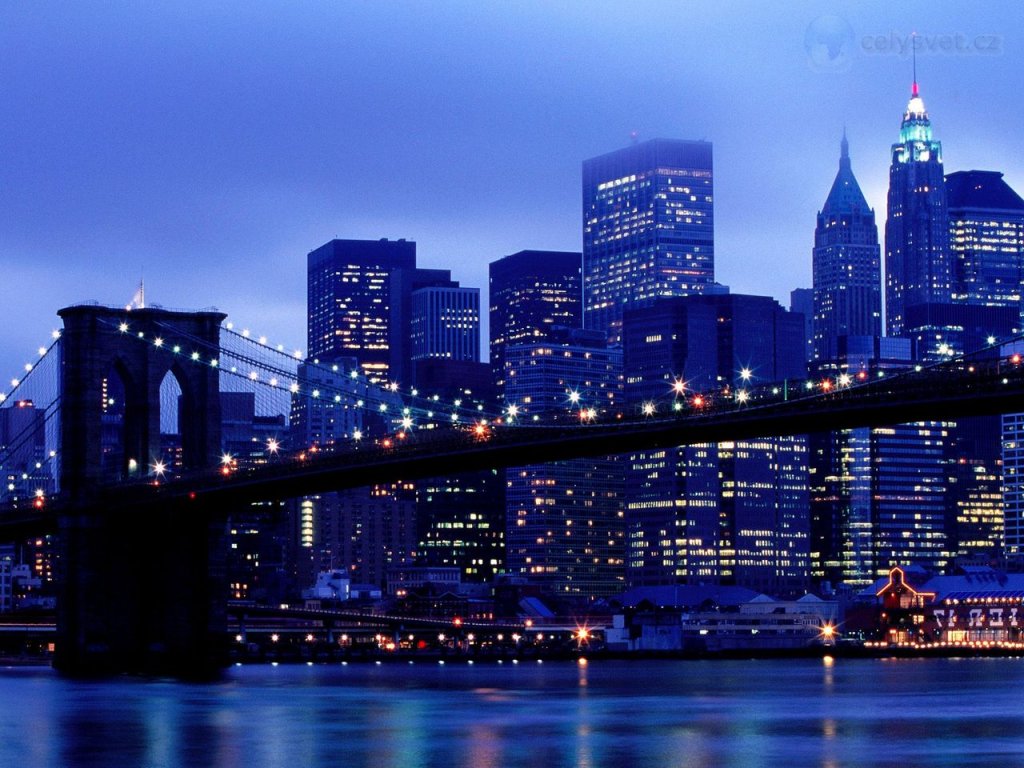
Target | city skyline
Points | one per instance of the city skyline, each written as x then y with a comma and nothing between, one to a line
167,141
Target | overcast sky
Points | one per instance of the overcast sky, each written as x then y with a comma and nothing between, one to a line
211,146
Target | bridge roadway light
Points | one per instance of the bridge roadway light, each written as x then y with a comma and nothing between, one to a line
745,374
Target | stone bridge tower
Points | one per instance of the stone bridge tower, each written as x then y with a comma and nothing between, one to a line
141,585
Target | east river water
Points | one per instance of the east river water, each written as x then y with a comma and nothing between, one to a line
794,713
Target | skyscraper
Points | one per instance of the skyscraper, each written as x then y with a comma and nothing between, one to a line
846,264
986,232
531,292
878,494
734,512
564,523
349,301
648,228
918,266
403,283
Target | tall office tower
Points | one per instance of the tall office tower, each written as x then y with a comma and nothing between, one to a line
846,265
530,293
349,301
403,283
879,494
986,234
564,527
885,503
445,324
802,300
918,265
734,512
648,228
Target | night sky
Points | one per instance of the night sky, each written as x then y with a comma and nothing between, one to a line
211,146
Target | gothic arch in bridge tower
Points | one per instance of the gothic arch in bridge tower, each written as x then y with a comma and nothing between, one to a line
103,346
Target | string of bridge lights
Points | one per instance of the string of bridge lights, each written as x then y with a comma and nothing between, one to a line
17,442
696,401
17,381
354,374
682,397
268,374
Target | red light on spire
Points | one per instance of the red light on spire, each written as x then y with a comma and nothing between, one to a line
914,90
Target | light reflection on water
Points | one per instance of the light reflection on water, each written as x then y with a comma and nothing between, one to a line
685,713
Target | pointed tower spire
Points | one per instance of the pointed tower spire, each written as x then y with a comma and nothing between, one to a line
845,194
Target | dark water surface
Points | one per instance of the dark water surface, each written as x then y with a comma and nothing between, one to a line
909,712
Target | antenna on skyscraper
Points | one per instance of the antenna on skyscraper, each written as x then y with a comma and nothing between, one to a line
913,53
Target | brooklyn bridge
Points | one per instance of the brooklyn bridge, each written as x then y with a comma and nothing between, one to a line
100,500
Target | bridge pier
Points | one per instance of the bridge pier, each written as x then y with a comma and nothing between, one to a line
142,593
